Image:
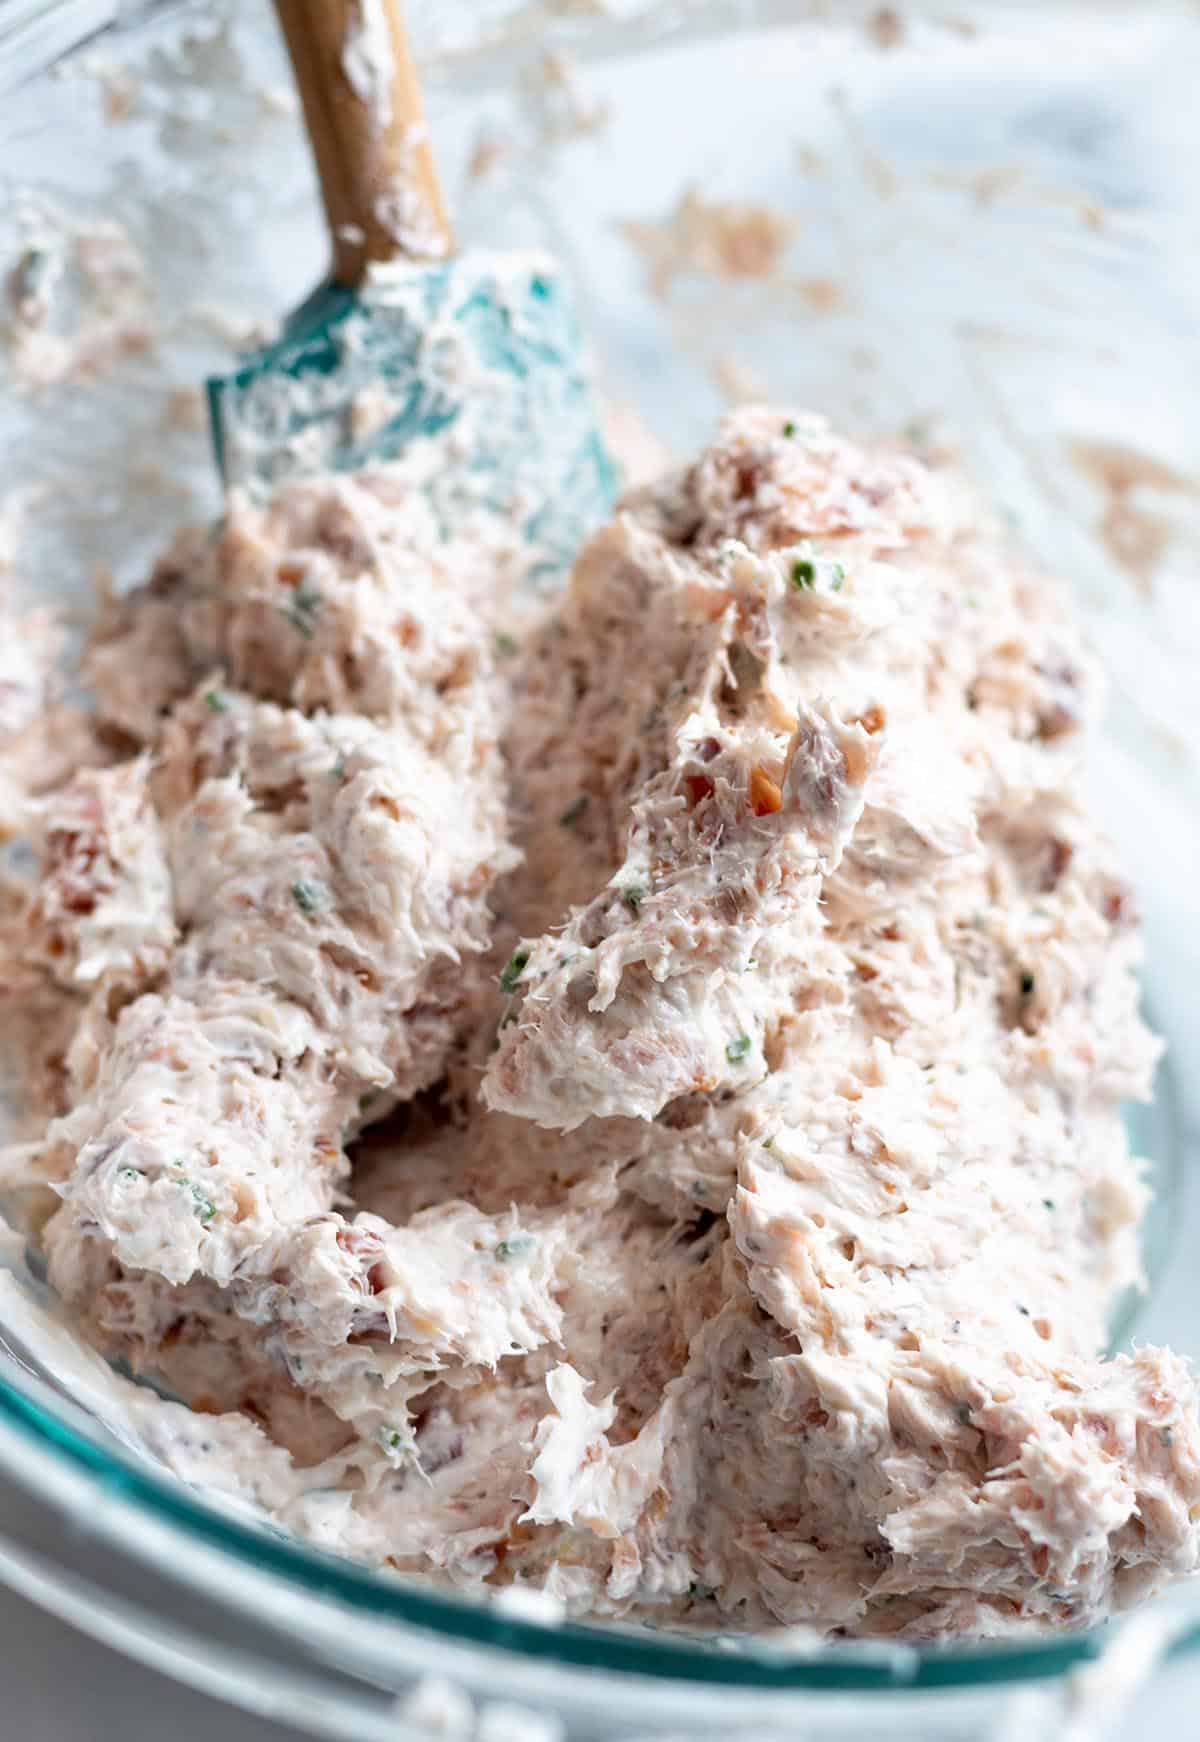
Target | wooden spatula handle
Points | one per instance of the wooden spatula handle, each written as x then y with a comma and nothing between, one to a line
366,121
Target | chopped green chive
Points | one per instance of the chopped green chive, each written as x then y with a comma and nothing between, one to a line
309,897
838,578
1024,1311
513,969
216,702
505,644
633,898
130,1173
31,277
1049,1203
204,1207
738,1049
520,1246
575,810
804,575
303,609
789,428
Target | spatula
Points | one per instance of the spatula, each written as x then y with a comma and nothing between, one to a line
471,366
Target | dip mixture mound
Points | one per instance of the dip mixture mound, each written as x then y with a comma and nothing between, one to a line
618,1095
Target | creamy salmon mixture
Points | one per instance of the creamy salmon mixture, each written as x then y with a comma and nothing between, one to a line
617,1094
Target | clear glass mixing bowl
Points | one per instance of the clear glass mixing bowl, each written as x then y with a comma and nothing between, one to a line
973,222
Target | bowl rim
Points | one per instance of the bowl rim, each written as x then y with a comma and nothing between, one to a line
53,1425
70,1439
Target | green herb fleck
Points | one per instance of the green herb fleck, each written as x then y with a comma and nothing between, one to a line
309,897
738,1049
789,428
204,1206
1027,985
1168,1436
395,1440
963,1412
130,1173
1049,1203
216,702
769,1142
338,771
520,1246
837,578
804,575
634,897
505,644
1024,1311
29,278
575,810
513,969
365,1101
303,609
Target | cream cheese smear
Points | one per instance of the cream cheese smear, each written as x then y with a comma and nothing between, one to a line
616,1094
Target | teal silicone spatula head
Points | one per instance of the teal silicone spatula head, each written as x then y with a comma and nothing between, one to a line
470,366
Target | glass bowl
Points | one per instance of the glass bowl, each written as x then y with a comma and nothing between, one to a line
972,223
